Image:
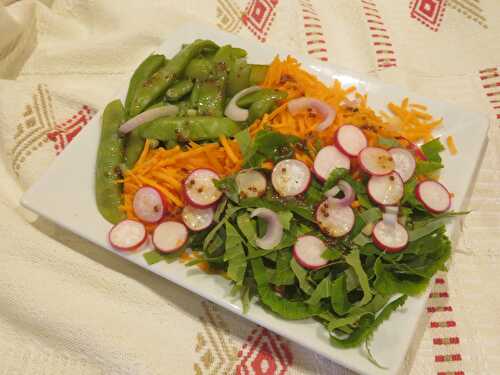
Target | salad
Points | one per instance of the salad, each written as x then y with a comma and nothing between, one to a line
307,200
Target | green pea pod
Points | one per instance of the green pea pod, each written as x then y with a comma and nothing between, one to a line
160,81
264,94
210,99
198,68
145,70
238,76
259,109
257,74
179,89
196,128
108,192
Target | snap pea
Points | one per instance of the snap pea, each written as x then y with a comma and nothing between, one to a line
257,74
238,76
198,68
145,70
109,158
264,94
210,99
196,128
259,109
156,85
179,89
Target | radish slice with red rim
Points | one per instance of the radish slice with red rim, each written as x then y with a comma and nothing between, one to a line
389,236
290,177
324,109
386,190
327,159
148,205
197,219
200,189
433,195
251,183
414,148
307,252
333,219
127,235
274,232
170,236
376,161
404,162
346,189
350,140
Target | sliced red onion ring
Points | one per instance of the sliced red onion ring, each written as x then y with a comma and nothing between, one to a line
232,110
323,108
349,194
147,116
274,232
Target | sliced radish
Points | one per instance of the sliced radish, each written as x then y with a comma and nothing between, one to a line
274,231
376,161
404,162
251,183
350,140
307,252
433,195
327,159
170,236
148,205
386,190
127,235
414,148
389,236
200,189
333,219
290,177
197,219
344,187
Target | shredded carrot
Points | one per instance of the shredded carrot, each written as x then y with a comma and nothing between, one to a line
451,145
355,204
227,148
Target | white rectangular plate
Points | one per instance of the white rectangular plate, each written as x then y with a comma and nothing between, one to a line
71,204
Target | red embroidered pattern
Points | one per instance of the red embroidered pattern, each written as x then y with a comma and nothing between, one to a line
264,353
66,131
428,12
386,56
490,80
315,38
258,17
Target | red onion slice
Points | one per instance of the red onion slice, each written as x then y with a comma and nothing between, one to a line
274,232
300,104
349,193
147,116
232,110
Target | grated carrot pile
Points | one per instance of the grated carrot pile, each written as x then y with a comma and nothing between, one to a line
165,169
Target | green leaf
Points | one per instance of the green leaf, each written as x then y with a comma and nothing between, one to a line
367,326
292,310
371,215
229,187
425,167
388,142
285,218
339,301
314,194
353,260
323,290
210,236
278,205
432,149
153,257
429,227
247,226
220,209
245,142
269,145
301,275
283,274
215,245
331,254
361,239
387,282
235,255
